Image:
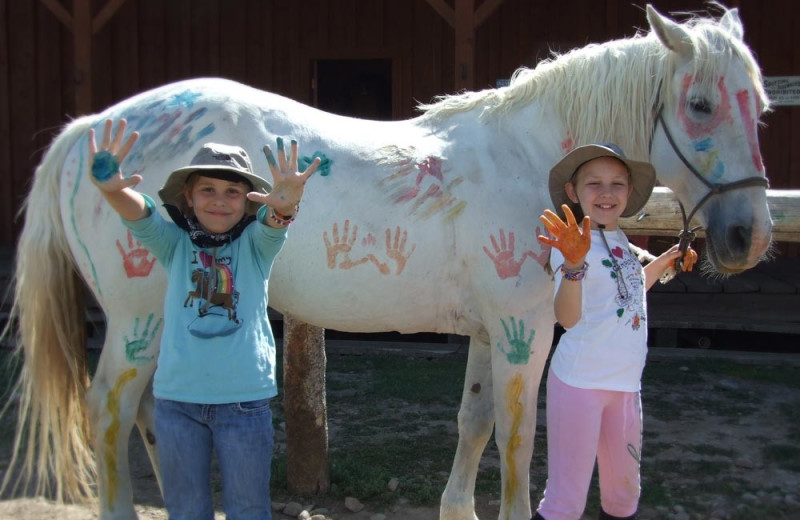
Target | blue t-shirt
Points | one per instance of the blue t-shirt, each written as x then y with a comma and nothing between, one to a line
217,344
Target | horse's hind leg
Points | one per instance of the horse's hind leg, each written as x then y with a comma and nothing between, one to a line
475,422
146,424
113,398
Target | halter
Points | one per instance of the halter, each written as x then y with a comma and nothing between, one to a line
687,235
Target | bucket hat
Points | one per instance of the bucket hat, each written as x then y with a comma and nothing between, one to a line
213,157
643,175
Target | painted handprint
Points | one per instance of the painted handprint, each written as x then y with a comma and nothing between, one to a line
396,249
520,351
503,257
341,245
134,348
135,261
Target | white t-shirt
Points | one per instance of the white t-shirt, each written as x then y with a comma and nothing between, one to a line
607,348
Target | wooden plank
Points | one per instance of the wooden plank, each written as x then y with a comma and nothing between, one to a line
125,37
82,40
59,12
445,11
465,45
49,112
152,42
746,312
178,39
484,11
664,216
105,14
22,94
370,24
6,209
233,42
258,45
204,38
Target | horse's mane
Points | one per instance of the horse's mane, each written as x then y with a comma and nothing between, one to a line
608,90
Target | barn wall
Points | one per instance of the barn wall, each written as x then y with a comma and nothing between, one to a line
271,45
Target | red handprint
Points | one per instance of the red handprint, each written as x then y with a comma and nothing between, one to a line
135,262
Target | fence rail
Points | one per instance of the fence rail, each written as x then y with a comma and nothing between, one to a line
664,216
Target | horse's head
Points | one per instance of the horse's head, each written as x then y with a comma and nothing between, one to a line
705,144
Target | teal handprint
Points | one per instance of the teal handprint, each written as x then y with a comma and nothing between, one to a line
133,349
520,351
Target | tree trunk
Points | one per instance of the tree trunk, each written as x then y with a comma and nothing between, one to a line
304,362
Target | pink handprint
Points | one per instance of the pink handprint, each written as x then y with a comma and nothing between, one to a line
503,256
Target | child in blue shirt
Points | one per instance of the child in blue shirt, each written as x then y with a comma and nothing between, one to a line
216,367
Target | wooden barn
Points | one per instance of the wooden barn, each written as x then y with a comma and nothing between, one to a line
369,58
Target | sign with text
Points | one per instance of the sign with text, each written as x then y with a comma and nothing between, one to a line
783,90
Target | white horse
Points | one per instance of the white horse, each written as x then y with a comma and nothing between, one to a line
427,224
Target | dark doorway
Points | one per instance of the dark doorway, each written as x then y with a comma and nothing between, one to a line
356,88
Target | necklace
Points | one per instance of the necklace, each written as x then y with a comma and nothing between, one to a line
622,289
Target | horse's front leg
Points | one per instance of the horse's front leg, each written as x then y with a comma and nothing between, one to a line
475,422
126,366
519,347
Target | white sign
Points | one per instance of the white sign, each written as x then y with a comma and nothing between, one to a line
783,90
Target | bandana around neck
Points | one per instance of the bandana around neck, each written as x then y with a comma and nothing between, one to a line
202,238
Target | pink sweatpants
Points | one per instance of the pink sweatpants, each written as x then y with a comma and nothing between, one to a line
583,425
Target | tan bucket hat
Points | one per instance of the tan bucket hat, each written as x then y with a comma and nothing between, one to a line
643,175
213,157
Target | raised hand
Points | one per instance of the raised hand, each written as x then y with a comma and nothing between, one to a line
568,238
105,162
288,183
682,264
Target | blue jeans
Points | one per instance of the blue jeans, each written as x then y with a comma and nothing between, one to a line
241,434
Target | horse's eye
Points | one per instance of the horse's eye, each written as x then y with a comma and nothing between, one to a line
700,106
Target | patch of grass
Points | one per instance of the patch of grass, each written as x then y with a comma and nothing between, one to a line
710,450
785,456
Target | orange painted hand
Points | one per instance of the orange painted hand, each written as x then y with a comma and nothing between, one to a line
568,237
672,258
688,261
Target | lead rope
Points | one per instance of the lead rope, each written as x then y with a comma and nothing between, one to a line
622,288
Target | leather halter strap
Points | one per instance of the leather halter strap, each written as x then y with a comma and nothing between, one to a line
687,235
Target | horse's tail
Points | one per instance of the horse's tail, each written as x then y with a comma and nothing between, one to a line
52,444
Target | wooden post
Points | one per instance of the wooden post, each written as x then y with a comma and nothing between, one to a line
465,19
465,45
305,406
664,216
83,27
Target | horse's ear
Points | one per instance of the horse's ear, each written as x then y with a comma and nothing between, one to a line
731,22
672,35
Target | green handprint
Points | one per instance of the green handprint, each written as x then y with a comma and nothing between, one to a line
133,348
520,351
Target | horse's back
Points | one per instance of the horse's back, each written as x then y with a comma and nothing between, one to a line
382,194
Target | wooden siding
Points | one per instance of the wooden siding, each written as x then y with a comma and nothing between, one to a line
272,45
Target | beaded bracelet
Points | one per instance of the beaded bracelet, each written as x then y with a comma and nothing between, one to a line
283,220
574,275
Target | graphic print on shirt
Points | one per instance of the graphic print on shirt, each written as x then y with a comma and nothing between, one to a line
629,287
216,296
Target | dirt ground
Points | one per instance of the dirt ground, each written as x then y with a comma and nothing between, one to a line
716,446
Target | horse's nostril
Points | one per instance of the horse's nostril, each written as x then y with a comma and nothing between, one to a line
739,238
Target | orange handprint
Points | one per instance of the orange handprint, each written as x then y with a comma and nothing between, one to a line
342,245
396,250
567,236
